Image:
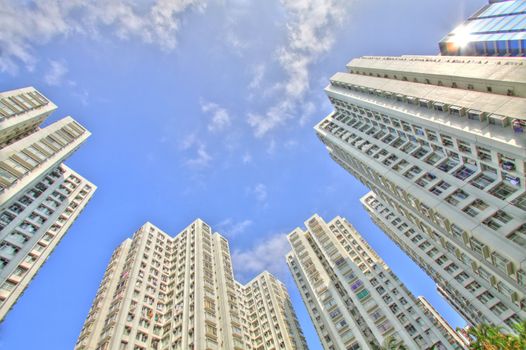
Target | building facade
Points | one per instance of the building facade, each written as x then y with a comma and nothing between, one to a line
440,322
39,196
497,29
440,142
163,292
354,300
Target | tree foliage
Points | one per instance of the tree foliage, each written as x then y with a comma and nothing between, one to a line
390,343
486,337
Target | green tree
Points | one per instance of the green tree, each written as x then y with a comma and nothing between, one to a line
486,337
390,343
520,328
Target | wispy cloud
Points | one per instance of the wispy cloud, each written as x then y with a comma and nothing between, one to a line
258,72
230,228
246,158
198,156
220,117
82,96
310,28
236,43
264,255
307,112
259,191
56,74
271,147
27,24
201,159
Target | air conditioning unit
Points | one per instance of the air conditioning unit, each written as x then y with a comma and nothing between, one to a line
465,238
476,115
424,103
510,269
493,280
439,106
485,251
457,111
499,120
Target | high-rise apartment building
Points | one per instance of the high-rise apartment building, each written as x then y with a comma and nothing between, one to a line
497,29
440,322
440,142
39,196
354,300
162,292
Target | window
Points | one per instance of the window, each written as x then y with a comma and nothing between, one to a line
485,275
504,289
376,315
520,202
446,140
363,294
484,154
503,191
211,329
463,173
439,188
8,249
411,173
464,147
477,246
499,308
461,277
500,262
518,236
475,207
335,313
456,197
485,297
8,286
447,165
521,277
385,326
497,220
431,135
457,232
341,324
17,167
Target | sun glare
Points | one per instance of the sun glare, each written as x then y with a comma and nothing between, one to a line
462,37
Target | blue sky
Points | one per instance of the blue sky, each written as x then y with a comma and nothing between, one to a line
201,109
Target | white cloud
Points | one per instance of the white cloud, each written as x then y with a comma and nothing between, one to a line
260,192
274,116
231,229
83,97
236,43
201,159
22,26
247,158
258,72
220,117
264,255
199,156
308,110
290,144
57,74
189,141
26,24
271,147
310,30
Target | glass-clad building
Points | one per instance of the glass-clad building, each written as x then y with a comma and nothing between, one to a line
497,29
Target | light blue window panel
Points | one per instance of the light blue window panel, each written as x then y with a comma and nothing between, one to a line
516,21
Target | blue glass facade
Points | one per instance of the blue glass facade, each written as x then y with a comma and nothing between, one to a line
497,29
